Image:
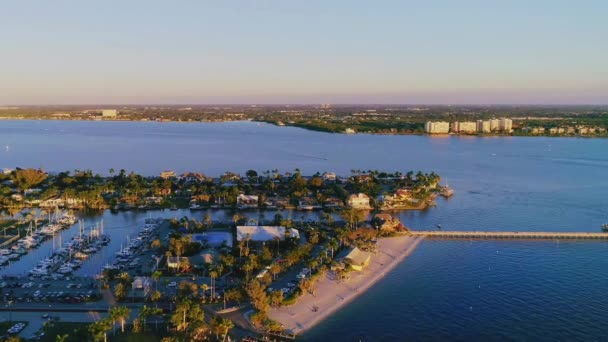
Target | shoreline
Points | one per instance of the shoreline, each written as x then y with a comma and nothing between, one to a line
480,135
332,295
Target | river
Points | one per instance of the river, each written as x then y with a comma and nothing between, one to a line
491,290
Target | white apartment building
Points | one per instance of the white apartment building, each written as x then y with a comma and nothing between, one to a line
506,125
483,126
109,113
467,127
437,127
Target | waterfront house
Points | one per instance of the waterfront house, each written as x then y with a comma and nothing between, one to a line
359,201
401,199
329,177
356,258
333,203
277,203
308,203
247,201
193,177
387,223
174,262
61,202
264,233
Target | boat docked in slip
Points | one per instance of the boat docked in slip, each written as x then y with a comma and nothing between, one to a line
111,267
64,270
605,227
5,251
39,271
13,257
80,255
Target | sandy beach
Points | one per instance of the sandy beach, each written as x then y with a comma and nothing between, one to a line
331,295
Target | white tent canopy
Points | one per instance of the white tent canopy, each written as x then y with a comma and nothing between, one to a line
264,233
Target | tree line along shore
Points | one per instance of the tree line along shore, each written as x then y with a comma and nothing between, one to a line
80,189
588,121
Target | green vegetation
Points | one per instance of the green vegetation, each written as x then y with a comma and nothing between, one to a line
374,119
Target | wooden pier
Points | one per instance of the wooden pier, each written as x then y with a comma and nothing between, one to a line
509,235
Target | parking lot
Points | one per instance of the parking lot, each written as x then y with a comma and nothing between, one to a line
14,291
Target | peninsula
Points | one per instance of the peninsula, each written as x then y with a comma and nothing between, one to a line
272,278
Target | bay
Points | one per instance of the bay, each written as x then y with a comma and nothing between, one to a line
459,290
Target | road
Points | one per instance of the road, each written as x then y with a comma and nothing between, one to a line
35,320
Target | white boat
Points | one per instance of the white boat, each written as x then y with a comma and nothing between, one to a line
111,267
64,270
5,251
39,272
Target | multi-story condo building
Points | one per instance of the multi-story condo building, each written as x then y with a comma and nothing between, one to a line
437,127
506,125
483,126
468,127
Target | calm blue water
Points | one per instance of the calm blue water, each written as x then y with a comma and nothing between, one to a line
491,290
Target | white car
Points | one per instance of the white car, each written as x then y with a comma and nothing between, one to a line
172,284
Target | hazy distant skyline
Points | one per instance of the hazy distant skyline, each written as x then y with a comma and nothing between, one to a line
270,52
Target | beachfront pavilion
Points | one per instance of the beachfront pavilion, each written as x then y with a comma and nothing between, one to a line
264,233
356,258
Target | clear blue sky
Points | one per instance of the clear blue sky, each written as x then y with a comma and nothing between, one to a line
130,51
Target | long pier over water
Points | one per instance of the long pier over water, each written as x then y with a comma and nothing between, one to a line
509,235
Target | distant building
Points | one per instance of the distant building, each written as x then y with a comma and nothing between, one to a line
467,127
167,174
534,130
437,127
192,177
349,131
494,125
582,130
483,126
246,201
329,177
359,201
264,233
506,125
109,113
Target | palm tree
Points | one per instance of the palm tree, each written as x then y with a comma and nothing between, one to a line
275,269
121,291
120,313
225,325
62,338
155,276
204,287
123,316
